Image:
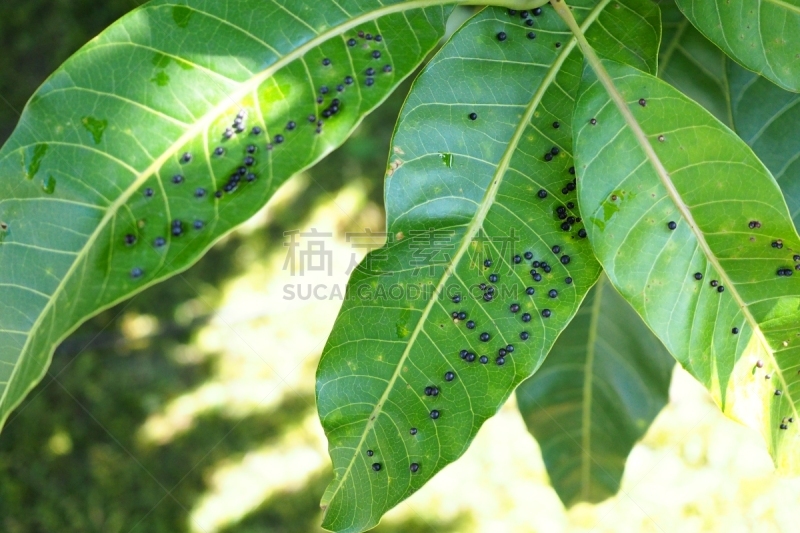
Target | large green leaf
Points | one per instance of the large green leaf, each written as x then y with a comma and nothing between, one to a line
762,35
461,190
603,383
90,209
764,115
669,191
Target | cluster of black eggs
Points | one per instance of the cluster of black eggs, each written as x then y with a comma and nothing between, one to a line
526,17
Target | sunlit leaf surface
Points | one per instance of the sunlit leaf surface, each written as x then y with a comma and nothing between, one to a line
166,131
762,35
765,116
480,173
693,230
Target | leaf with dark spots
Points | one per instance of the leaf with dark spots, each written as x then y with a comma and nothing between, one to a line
100,152
739,320
474,146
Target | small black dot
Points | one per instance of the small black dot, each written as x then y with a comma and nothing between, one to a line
219,151
517,259
530,291
531,35
159,242
387,68
529,22
528,255
501,352
199,224
449,376
483,360
720,289
368,36
548,157
462,315
593,121
414,467
501,36
512,12
435,414
735,331
553,293
493,278
672,224
524,335
555,150
291,125
572,170
471,324
565,259
278,139
130,239
556,249
177,179
186,158
500,360
558,45
370,453
251,177
487,263
473,116
249,161
324,89
376,54
698,276
251,149
378,38
524,14
537,12
514,308
326,62
568,280
546,313
340,88
536,276
370,71
148,192
320,99
714,283
542,193
351,42
484,337
526,317
778,392
137,273
369,82
413,431
348,80
376,467
457,299
556,125
642,102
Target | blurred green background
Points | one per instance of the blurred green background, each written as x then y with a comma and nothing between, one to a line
190,408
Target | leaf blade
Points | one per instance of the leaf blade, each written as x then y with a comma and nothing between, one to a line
606,361
759,34
448,173
149,89
693,320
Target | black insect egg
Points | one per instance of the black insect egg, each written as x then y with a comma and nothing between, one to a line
501,36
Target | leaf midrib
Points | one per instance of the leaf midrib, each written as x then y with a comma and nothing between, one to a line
200,126
641,138
475,225
588,382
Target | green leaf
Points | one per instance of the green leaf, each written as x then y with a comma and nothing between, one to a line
603,383
761,35
764,115
664,158
460,191
86,181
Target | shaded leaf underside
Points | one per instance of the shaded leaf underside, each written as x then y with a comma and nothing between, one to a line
670,160
476,182
601,386
91,210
